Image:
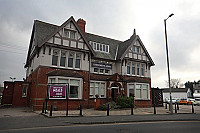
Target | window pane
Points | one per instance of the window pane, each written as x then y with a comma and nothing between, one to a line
62,81
106,71
77,65
106,48
73,91
72,34
70,62
62,61
138,69
138,93
74,82
128,69
94,45
144,94
131,90
101,70
103,87
55,57
98,46
52,80
54,60
133,48
91,89
101,48
66,32
95,69
133,69
96,88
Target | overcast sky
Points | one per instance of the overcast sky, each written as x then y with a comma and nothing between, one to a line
110,18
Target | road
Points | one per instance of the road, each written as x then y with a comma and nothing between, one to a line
135,127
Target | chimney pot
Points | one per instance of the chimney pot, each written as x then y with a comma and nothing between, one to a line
81,24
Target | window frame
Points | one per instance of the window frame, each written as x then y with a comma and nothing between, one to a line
141,90
80,92
99,89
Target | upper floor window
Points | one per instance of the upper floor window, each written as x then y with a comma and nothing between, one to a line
137,69
78,60
133,69
70,59
63,58
100,47
142,69
55,57
128,69
69,33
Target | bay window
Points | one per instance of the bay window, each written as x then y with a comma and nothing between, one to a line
97,88
140,90
75,84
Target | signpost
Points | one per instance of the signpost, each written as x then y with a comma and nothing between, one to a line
58,91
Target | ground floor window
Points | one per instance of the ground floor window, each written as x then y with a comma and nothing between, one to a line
75,89
97,88
139,90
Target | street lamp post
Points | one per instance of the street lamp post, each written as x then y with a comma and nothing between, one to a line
170,105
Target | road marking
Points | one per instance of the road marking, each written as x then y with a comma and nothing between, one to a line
91,125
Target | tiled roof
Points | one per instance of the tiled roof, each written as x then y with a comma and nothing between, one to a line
116,48
124,45
43,30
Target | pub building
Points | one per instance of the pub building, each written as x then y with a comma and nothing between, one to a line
93,66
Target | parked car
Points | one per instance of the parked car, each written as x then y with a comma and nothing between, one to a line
197,101
183,101
174,100
190,101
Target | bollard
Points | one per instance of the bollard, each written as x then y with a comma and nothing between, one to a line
43,108
50,114
108,110
165,105
154,107
175,108
81,110
131,108
67,109
192,108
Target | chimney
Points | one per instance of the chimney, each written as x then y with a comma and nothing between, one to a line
81,24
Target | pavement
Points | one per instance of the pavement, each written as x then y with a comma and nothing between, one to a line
91,116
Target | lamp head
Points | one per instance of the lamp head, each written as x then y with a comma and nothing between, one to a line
171,15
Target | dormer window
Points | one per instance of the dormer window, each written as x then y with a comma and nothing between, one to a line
100,47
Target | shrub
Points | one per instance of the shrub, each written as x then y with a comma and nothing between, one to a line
112,105
124,101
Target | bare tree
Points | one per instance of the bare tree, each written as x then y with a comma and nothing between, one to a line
175,83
